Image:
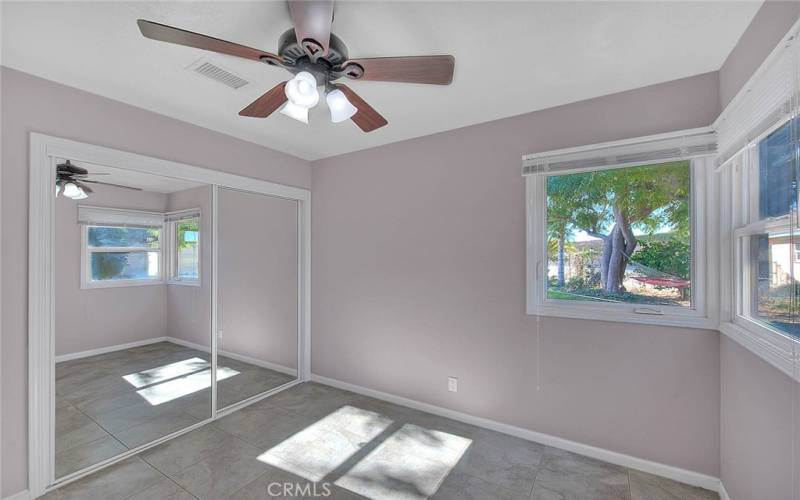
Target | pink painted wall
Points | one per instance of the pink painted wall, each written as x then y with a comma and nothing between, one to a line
32,104
257,296
102,317
419,274
189,307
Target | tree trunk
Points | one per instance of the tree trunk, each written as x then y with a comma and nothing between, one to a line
619,244
561,238
605,258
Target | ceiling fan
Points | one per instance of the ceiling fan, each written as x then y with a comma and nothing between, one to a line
317,58
71,180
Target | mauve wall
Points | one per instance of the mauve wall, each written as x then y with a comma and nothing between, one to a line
760,430
419,274
759,427
189,307
102,317
770,23
31,104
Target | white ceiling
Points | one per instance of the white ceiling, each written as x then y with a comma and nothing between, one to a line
132,178
511,58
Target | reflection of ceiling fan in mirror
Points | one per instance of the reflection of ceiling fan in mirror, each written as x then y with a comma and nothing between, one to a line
72,179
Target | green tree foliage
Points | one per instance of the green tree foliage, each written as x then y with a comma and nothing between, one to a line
610,204
671,256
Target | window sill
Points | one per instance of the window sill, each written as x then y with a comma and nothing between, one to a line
118,284
184,283
779,350
697,322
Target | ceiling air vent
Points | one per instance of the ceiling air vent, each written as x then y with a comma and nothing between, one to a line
218,74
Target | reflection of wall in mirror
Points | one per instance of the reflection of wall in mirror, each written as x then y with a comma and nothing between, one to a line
102,317
189,307
258,277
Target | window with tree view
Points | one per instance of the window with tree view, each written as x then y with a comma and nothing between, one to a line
620,235
117,254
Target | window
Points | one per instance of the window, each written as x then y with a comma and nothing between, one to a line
121,255
621,242
767,238
120,247
620,235
183,229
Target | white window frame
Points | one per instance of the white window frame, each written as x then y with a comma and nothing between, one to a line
702,313
171,250
87,283
743,221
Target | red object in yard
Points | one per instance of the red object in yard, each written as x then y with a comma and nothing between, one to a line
665,282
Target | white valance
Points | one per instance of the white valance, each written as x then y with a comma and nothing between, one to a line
766,101
640,151
103,216
193,213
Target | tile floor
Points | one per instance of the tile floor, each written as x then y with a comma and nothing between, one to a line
100,414
312,440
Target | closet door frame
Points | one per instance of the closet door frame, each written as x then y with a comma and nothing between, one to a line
44,152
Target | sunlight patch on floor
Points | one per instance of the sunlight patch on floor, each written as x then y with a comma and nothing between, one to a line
166,372
182,386
328,443
410,464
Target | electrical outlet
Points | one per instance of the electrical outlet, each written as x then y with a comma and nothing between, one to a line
452,384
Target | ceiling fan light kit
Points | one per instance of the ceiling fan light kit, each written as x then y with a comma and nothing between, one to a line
341,109
71,181
317,58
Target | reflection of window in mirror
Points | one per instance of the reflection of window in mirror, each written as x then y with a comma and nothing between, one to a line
183,231
120,247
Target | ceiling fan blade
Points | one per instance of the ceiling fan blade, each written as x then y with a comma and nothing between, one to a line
112,184
312,21
83,186
366,118
436,70
267,103
164,33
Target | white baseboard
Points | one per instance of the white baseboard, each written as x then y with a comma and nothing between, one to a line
659,469
22,495
239,357
111,348
723,494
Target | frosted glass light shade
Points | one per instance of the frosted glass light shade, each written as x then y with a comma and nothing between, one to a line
71,190
340,106
292,110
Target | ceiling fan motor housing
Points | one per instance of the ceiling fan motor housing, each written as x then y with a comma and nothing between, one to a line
296,59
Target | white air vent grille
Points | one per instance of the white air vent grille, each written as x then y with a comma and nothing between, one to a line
216,73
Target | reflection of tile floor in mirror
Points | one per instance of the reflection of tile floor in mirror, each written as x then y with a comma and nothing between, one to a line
109,403
312,439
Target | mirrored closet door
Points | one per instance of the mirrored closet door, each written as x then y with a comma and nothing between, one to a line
257,294
132,311
155,278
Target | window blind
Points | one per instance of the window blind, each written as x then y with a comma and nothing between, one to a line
102,216
193,213
768,99
642,151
